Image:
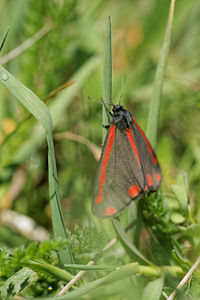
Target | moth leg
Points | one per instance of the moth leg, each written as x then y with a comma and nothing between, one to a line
105,126
107,111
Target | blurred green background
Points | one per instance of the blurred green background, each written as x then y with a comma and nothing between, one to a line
72,49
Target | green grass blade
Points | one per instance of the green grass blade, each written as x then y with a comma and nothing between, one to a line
121,234
107,77
56,211
107,96
4,39
89,268
40,111
59,273
154,110
27,98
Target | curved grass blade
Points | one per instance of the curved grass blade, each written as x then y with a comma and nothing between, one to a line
155,104
27,98
28,116
59,273
126,242
40,111
61,101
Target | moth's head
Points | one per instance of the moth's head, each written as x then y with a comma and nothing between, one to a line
117,108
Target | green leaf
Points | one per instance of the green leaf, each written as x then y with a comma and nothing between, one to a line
177,218
181,195
16,283
155,104
153,289
107,76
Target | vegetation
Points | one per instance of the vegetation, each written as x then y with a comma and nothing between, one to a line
155,242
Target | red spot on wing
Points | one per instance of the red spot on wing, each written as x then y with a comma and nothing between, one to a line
131,140
134,191
158,177
147,142
110,211
149,179
102,179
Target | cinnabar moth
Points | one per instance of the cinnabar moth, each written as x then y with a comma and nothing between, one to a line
128,166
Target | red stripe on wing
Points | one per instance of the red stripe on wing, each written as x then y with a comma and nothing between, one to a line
131,140
147,142
102,179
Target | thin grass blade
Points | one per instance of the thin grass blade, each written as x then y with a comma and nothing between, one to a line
155,104
89,268
4,39
107,77
130,248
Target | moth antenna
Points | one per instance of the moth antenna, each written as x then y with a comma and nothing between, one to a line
111,104
101,102
121,91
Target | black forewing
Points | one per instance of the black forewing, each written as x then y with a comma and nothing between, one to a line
122,170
